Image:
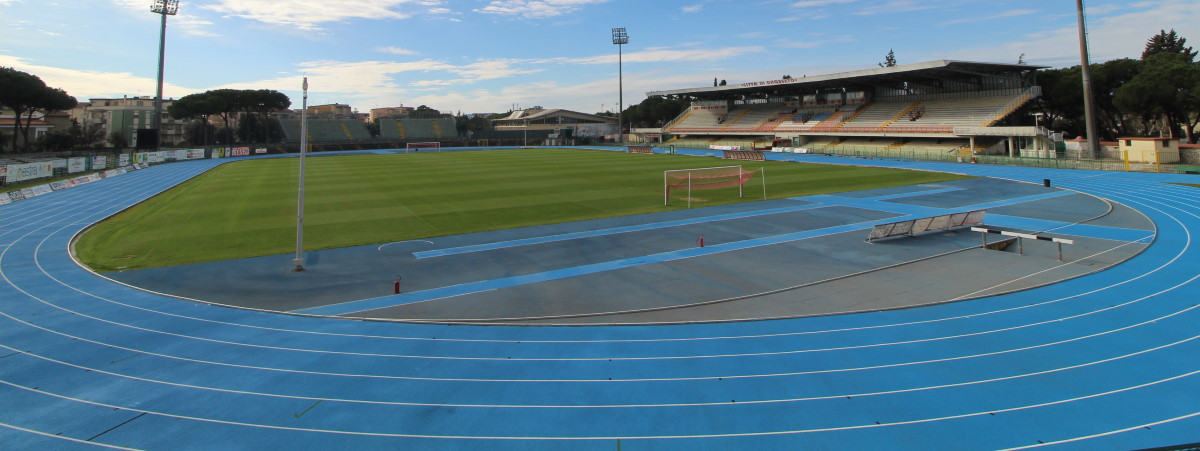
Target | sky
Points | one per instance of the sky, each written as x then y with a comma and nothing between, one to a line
489,56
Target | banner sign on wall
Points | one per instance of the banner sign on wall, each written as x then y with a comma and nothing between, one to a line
99,162
181,154
241,151
27,171
123,160
260,151
41,189
59,164
76,165
195,154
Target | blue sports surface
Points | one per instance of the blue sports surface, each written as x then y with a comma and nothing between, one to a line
1108,360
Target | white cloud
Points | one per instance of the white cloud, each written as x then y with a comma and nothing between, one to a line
87,84
693,8
1003,15
195,26
395,50
664,55
755,35
535,9
308,14
1110,37
896,6
814,43
819,3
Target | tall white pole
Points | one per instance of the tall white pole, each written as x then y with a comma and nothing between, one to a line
299,260
763,175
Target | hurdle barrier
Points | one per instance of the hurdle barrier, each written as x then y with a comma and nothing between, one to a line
1021,237
640,149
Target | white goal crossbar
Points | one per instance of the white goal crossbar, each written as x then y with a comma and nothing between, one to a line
706,178
416,147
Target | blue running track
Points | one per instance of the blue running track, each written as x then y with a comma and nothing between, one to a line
1105,361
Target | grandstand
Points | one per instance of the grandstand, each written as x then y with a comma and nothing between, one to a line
407,129
326,130
937,109
354,130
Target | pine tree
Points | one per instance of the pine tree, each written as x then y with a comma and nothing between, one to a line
889,60
1168,42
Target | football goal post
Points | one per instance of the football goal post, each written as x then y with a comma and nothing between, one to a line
416,147
706,178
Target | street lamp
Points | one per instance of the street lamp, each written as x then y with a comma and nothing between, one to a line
620,38
164,8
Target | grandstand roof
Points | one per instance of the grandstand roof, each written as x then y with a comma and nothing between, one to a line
536,114
930,71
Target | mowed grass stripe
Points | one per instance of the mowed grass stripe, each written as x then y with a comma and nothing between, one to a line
247,209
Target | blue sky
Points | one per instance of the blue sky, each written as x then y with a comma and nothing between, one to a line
487,55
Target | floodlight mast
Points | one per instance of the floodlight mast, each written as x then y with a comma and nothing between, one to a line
620,38
1089,116
164,8
299,260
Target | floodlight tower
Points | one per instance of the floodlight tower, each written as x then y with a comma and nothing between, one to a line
620,38
164,8
1089,116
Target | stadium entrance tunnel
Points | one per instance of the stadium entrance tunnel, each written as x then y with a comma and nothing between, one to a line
773,259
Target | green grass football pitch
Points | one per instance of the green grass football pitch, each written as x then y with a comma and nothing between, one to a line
248,208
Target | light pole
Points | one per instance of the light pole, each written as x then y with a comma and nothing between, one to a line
620,38
299,260
164,8
1089,116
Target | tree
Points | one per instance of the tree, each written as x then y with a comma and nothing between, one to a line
1164,94
1061,102
424,112
19,91
655,111
889,60
118,139
255,123
1165,42
48,100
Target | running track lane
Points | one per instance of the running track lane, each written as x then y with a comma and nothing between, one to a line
1106,360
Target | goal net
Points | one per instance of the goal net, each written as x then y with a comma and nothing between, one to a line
416,147
704,178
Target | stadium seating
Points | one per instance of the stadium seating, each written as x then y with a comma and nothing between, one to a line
326,130
973,112
417,128
878,115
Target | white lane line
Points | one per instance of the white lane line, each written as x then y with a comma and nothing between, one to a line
644,437
400,242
